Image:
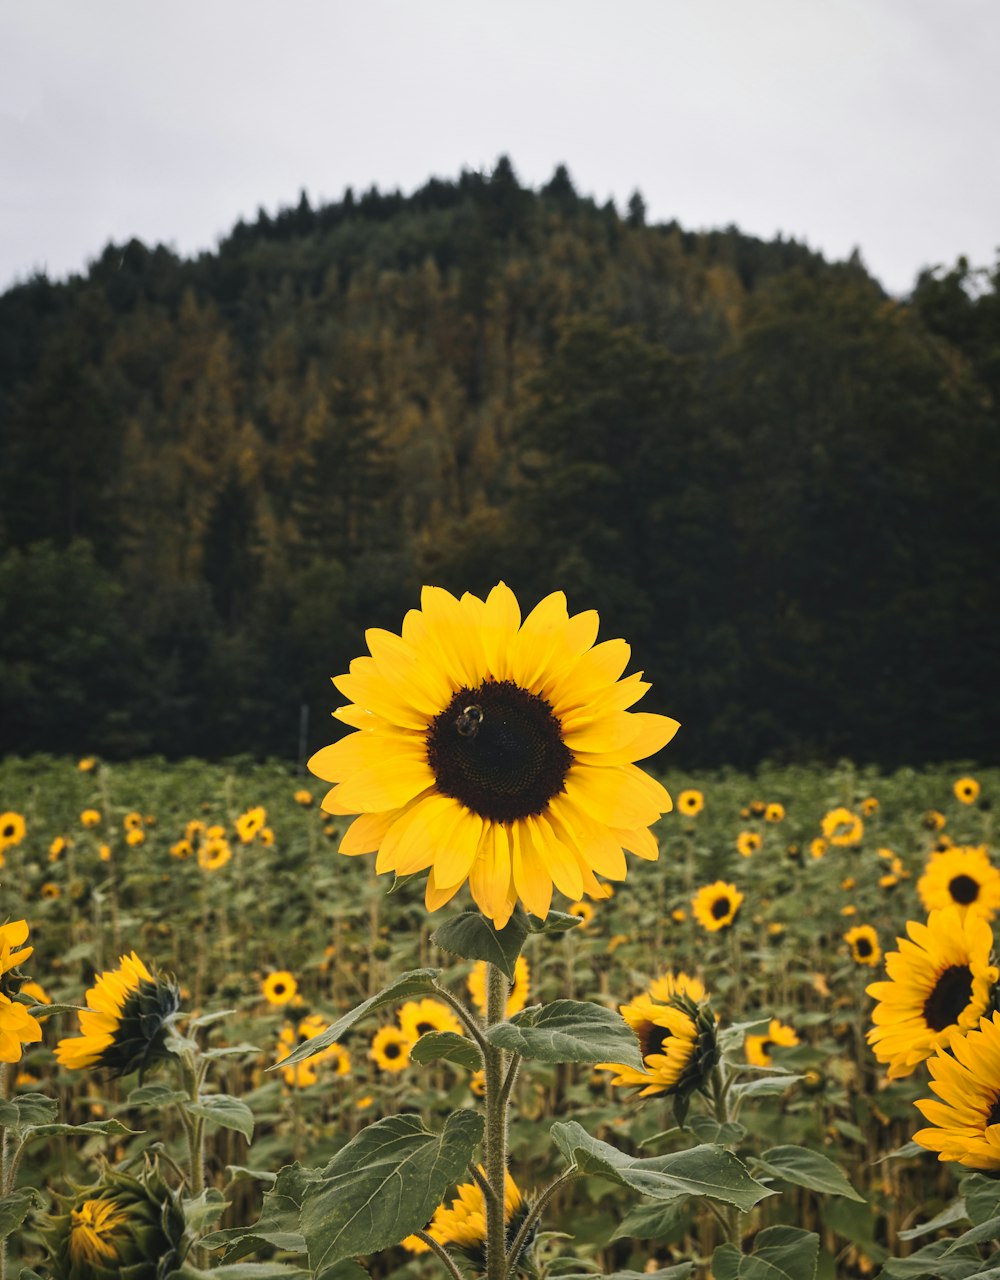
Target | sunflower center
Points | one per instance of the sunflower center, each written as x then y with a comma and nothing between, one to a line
993,1115
720,908
8,830
424,1027
652,1039
862,946
963,890
766,1048
391,1050
949,998
499,751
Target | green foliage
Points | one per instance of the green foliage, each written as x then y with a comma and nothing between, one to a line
779,1253
473,936
569,1031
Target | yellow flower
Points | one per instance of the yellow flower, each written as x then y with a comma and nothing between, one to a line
869,807
90,818
124,1026
671,984
940,982
759,1048
817,848
747,843
279,988
12,829
843,828
678,915
214,854
302,1074
215,832
966,790
848,883
132,821
135,836
265,836
87,765
715,906
49,890
390,1049
194,831
496,752
963,876
477,1083
463,1222
863,941
17,1028
775,929
57,848
417,1017
13,948
668,1043
35,991
182,849
757,808
249,823
933,820
304,798
583,910
964,1116
849,910
518,997
104,852
690,802
774,813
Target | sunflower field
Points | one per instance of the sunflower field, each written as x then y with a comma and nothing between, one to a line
775,896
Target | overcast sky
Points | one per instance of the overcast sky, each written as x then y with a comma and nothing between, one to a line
869,123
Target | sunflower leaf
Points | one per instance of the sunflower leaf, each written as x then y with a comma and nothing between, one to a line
14,1209
805,1168
449,1046
660,1220
473,937
89,1126
27,1109
779,1253
700,1171
384,1185
764,1087
278,1224
982,1196
415,982
243,1271
554,922
155,1095
224,1110
569,1031
679,1272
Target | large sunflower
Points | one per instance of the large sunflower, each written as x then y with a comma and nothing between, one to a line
496,751
966,1113
963,876
124,1025
940,981
677,1044
463,1222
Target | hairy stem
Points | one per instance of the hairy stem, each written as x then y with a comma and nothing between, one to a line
441,1252
495,1066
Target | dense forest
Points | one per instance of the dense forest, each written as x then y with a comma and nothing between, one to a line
776,481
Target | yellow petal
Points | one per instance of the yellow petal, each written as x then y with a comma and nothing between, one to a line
531,878
366,833
453,861
501,619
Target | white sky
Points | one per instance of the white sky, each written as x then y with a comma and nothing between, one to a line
842,122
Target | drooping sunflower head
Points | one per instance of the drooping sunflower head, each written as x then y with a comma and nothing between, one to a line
715,906
965,1116
759,1049
418,1017
863,941
496,751
279,987
940,984
125,1024
678,1045
843,828
519,991
462,1224
690,802
961,876
747,843
966,790
123,1226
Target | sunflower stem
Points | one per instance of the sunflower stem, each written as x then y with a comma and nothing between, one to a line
465,1017
441,1252
494,1066
720,1105
6,1173
535,1213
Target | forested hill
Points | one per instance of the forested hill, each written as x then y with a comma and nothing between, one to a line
778,483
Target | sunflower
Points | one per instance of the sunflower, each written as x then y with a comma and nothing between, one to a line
818,848
842,827
715,906
194,831
757,808
214,854
87,765
966,790
463,1222
759,1048
963,876
477,1083
182,849
279,988
671,984
941,843
747,843
303,1074
13,953
12,829
57,848
520,987
417,1017
940,983
774,812
676,1041
583,911
132,821
17,1028
265,836
390,1049
934,820
496,752
215,832
135,836
90,818
124,1026
678,915
863,941
49,891
690,803
104,852
869,807
966,1113
249,823
304,798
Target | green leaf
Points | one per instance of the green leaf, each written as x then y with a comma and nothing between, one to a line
569,1031
473,937
155,1096
680,1272
708,1129
202,1210
779,1253
415,982
278,1224
225,1110
807,1168
447,1045
28,1109
231,1050
700,1171
662,1220
244,1271
982,1197
207,1019
955,1212
554,922
906,1152
764,1087
988,1230
14,1209
384,1185
733,1037
89,1126
927,1262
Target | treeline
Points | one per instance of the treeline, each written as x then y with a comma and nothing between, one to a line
777,482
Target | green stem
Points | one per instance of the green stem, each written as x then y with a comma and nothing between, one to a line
441,1252
535,1213
464,1016
494,1066
194,1126
6,1172
729,1215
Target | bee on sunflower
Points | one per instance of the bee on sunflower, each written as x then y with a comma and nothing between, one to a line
497,752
